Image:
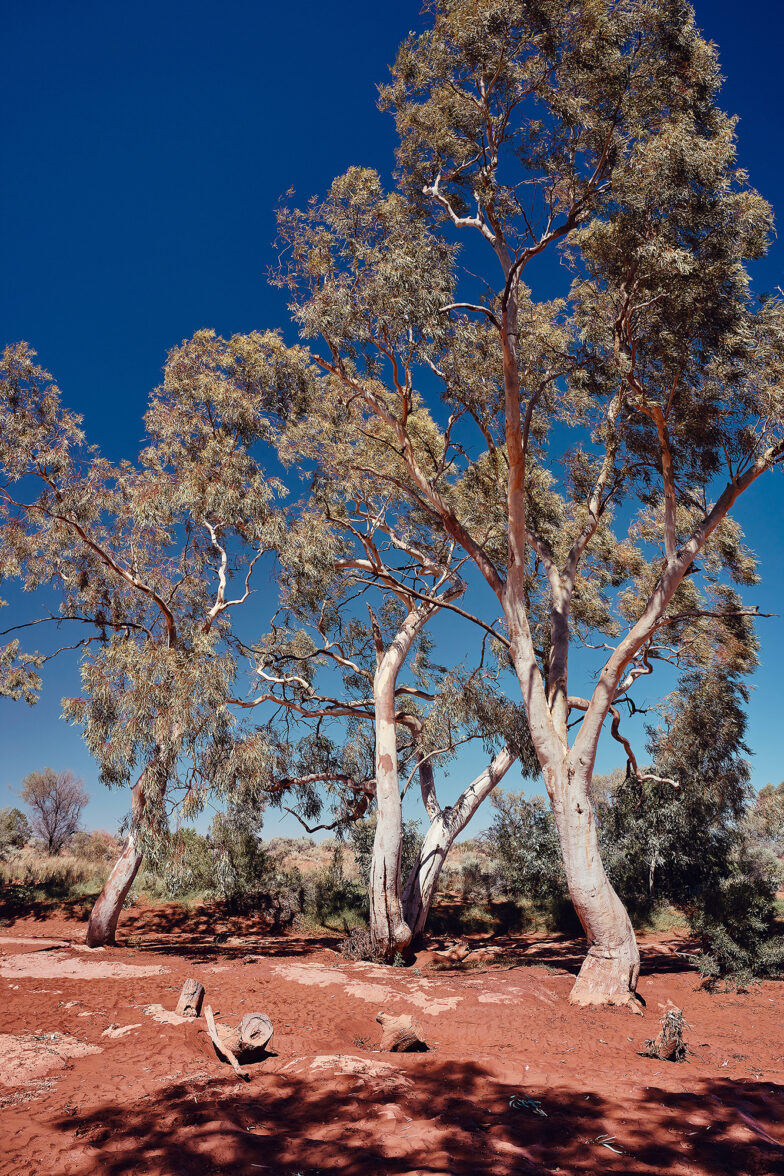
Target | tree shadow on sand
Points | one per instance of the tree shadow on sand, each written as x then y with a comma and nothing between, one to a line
447,1118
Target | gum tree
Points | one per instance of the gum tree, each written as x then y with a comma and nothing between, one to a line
138,563
590,447
323,667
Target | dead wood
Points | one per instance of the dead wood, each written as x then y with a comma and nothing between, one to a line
191,997
222,1047
668,1045
401,1034
255,1031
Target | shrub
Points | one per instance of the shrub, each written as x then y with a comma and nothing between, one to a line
735,922
98,847
333,897
524,840
14,831
359,946
362,834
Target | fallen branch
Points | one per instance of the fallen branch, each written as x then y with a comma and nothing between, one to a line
221,1048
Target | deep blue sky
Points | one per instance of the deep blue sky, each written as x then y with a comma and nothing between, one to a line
145,147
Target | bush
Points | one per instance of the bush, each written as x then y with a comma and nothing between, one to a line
362,834
735,922
249,877
524,840
98,847
358,946
14,831
335,898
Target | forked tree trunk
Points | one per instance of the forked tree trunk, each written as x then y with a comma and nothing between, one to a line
445,826
103,918
612,966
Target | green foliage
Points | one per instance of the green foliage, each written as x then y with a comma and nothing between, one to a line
672,839
15,831
524,840
334,899
735,922
362,834
765,820
144,559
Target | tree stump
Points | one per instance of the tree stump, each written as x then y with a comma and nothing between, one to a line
189,1004
401,1034
668,1045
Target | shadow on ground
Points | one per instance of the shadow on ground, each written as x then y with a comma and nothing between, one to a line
454,1119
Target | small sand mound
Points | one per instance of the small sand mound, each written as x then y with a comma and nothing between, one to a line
366,1070
56,965
40,943
166,1016
25,1058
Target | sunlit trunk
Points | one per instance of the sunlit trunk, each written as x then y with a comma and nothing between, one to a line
445,826
102,926
610,970
389,931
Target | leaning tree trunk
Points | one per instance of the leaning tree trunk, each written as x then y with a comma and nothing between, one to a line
104,915
446,824
610,970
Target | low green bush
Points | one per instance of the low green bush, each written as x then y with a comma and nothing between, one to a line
735,922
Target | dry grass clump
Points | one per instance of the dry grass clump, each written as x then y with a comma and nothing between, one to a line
83,869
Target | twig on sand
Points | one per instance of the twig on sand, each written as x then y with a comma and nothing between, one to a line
221,1048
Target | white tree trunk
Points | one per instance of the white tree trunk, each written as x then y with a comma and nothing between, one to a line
610,970
445,826
389,931
103,918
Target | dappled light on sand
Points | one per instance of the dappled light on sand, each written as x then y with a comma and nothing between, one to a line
515,1080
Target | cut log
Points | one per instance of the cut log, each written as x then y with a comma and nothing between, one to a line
222,1048
189,1004
255,1031
401,1034
668,1045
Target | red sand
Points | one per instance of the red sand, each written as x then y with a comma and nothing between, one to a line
152,1097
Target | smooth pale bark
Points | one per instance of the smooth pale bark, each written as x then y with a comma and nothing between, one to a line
102,926
389,931
611,968
445,825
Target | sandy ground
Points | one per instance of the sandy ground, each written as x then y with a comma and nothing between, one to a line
97,1076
